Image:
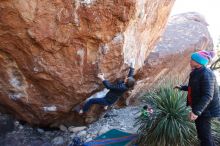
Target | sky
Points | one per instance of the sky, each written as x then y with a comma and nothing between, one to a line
210,9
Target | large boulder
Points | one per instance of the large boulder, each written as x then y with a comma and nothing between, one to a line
52,51
169,61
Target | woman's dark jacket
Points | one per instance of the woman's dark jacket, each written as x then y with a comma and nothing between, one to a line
204,94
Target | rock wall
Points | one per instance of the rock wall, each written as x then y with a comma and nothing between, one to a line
52,51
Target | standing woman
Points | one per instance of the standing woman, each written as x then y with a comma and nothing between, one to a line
203,96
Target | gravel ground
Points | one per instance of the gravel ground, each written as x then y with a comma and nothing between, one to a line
16,134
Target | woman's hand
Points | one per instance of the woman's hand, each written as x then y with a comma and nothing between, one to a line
177,87
192,116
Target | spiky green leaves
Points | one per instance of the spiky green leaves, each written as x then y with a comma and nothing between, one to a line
169,124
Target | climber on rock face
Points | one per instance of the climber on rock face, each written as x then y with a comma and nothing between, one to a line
115,90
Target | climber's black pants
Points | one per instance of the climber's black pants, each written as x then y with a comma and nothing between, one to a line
90,102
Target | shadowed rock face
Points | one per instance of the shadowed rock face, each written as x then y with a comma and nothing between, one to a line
184,34
52,51
6,125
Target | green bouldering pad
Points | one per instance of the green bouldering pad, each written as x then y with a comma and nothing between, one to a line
113,138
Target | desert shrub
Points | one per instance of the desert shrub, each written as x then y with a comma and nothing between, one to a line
168,125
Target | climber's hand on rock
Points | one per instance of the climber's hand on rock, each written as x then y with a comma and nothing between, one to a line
132,62
101,76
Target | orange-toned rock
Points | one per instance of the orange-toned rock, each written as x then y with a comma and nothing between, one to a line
52,51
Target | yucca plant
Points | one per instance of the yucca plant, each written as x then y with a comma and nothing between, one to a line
168,125
216,131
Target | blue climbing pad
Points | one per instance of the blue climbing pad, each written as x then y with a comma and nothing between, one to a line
113,138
